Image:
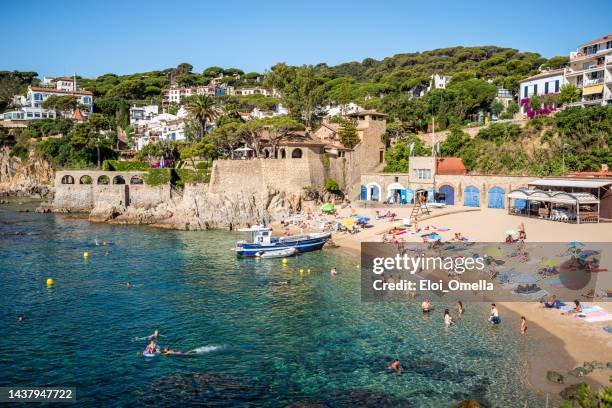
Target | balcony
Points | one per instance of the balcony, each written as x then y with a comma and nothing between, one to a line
589,82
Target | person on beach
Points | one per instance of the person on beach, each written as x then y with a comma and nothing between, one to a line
459,308
448,320
396,366
550,303
576,309
521,231
494,316
426,306
523,325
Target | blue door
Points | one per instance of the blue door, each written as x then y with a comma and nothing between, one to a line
403,194
449,194
374,193
409,196
471,197
519,202
364,193
496,197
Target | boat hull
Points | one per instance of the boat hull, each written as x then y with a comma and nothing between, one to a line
245,249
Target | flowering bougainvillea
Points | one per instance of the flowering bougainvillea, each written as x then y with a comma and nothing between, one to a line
532,113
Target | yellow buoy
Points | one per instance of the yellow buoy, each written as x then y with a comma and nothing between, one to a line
50,282
85,254
301,271
284,261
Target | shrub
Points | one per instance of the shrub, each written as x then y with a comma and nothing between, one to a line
119,165
157,177
332,186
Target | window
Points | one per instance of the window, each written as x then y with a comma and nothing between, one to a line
525,92
396,179
546,88
609,45
557,86
38,97
535,89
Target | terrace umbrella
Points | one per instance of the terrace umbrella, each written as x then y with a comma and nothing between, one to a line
511,232
363,219
575,244
328,208
348,223
493,252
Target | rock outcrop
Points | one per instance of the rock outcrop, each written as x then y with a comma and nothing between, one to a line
200,209
32,178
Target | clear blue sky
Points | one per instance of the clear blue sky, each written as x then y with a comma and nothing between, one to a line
93,38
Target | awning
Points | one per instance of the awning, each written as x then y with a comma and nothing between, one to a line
570,183
559,197
593,89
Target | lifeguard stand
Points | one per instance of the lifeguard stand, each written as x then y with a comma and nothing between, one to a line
419,208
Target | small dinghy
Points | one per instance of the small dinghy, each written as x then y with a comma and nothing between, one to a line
279,253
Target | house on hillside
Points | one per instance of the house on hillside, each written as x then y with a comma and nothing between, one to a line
590,70
30,106
544,83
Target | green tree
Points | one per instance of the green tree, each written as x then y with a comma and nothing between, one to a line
497,107
398,156
347,133
279,128
95,133
568,94
227,137
61,103
203,110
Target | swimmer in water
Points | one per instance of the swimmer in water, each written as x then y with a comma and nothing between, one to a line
167,351
152,348
333,271
128,284
523,326
155,335
459,308
448,320
280,283
396,366
21,317
426,306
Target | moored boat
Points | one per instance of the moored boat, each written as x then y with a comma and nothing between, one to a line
277,253
263,240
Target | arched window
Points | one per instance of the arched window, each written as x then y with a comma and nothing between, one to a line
67,179
136,180
118,180
103,180
283,153
296,153
85,180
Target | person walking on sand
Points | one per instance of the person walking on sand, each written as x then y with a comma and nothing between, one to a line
523,325
521,230
494,316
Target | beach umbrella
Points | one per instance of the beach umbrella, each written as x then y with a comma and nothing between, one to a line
548,262
328,208
435,237
348,223
363,219
575,244
511,232
493,252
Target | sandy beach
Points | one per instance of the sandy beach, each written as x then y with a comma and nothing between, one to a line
569,342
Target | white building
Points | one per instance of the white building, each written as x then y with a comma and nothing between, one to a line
164,126
31,105
175,94
544,83
438,82
339,110
590,70
141,114
254,91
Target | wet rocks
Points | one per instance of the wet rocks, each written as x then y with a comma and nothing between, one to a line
555,377
579,372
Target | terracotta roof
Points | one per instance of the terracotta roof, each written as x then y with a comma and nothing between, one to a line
451,166
54,90
552,72
591,174
602,39
64,79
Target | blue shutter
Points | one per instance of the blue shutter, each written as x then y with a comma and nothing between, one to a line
557,86
546,88
364,193
525,92
535,89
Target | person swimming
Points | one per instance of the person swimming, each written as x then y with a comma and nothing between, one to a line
494,317
459,308
152,348
128,284
333,271
396,366
155,335
21,317
448,320
523,325
426,306
167,351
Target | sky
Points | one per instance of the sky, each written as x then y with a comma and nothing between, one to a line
93,38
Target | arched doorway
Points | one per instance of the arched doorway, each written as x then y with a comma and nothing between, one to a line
496,198
394,193
67,179
471,197
409,196
373,192
283,153
136,180
449,194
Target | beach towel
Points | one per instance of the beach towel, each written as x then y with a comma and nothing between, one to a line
598,318
596,270
443,229
585,309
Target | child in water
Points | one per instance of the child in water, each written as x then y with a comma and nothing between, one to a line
448,320
395,366
523,325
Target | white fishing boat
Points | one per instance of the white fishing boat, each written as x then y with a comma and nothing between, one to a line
277,253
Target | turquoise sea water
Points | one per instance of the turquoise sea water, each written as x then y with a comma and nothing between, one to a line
259,344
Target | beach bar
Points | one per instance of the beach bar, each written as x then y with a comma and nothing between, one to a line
566,200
